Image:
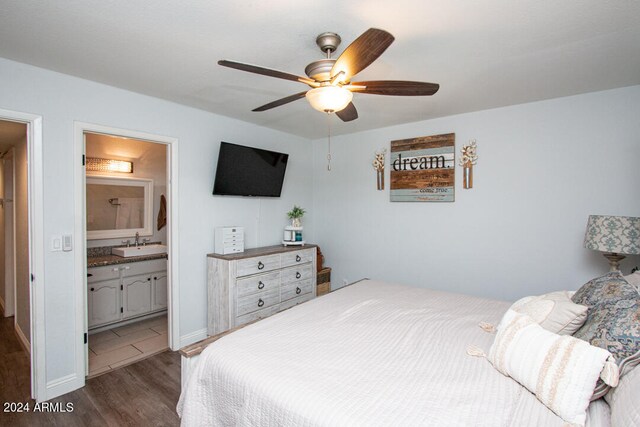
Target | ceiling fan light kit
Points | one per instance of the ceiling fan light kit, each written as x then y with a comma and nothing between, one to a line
330,79
329,99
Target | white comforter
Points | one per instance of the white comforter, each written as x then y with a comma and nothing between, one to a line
369,354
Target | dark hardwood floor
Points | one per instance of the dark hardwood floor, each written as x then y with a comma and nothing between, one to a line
142,394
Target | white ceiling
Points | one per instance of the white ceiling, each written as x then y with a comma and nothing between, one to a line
484,54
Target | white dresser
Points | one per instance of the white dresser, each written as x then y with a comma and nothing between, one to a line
258,283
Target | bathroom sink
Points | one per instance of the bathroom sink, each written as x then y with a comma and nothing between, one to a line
139,250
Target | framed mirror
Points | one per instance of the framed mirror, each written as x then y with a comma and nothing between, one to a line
118,207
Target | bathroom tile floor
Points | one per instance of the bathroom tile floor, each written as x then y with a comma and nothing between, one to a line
118,347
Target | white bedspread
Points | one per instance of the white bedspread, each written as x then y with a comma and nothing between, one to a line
369,354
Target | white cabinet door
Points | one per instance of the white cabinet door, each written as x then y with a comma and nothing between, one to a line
136,295
104,302
159,290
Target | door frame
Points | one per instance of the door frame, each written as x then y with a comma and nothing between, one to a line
35,197
173,294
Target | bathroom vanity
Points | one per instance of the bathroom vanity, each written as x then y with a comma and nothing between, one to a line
119,289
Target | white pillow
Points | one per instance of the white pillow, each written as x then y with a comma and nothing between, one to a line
561,371
634,279
554,311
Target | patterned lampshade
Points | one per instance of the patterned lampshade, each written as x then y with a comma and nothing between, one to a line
613,234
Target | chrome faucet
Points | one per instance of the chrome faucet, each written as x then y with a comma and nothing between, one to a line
137,239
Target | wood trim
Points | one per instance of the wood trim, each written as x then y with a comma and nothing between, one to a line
266,250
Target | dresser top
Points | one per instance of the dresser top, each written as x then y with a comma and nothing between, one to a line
266,250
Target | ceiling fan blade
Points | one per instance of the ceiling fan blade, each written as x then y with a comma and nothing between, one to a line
396,87
266,71
348,113
362,52
281,101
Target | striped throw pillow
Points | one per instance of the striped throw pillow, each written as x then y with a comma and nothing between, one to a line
561,371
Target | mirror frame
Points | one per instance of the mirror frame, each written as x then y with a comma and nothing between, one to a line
147,184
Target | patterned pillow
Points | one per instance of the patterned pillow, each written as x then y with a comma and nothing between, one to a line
554,311
560,370
613,319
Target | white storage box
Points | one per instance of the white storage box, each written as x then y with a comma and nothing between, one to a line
229,240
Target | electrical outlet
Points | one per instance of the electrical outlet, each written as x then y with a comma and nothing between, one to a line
345,282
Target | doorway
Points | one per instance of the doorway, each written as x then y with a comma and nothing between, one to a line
126,215
21,237
128,309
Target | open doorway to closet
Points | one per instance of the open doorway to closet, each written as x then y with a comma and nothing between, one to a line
126,213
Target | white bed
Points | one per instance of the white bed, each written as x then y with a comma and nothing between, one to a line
369,354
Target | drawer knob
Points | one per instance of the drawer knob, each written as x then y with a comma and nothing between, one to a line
298,275
92,289
260,302
260,265
89,275
260,285
298,259
298,290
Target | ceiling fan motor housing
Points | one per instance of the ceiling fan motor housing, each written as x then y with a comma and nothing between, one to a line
320,70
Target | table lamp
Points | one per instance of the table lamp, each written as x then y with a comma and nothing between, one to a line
615,236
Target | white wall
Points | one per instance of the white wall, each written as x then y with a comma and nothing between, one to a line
543,168
61,100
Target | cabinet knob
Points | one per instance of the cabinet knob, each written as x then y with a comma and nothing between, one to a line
148,279
298,275
155,278
298,259
92,289
89,275
260,285
260,302
298,290
260,265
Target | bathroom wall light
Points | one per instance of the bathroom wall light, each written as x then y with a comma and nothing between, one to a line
96,164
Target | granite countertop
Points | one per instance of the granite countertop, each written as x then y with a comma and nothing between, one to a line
102,260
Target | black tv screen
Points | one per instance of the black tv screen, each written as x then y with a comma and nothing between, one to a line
248,171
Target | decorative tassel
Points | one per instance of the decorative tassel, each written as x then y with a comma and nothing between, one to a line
610,373
487,327
475,351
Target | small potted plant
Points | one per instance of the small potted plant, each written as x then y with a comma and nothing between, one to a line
295,214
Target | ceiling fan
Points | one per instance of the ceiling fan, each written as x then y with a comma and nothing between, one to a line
330,79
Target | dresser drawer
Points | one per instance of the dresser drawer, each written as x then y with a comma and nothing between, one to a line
258,283
301,272
97,274
296,289
246,267
295,301
250,303
297,257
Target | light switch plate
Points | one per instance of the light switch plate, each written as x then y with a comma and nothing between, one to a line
67,242
56,243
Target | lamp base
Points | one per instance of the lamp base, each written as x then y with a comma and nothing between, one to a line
614,260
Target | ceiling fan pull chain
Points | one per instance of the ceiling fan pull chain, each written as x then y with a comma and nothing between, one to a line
329,141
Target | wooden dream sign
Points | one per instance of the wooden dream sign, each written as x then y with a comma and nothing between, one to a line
423,169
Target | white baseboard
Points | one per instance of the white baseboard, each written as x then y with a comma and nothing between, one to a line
62,385
196,336
23,339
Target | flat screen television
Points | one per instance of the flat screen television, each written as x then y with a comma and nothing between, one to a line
248,171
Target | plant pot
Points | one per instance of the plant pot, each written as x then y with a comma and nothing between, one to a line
295,222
